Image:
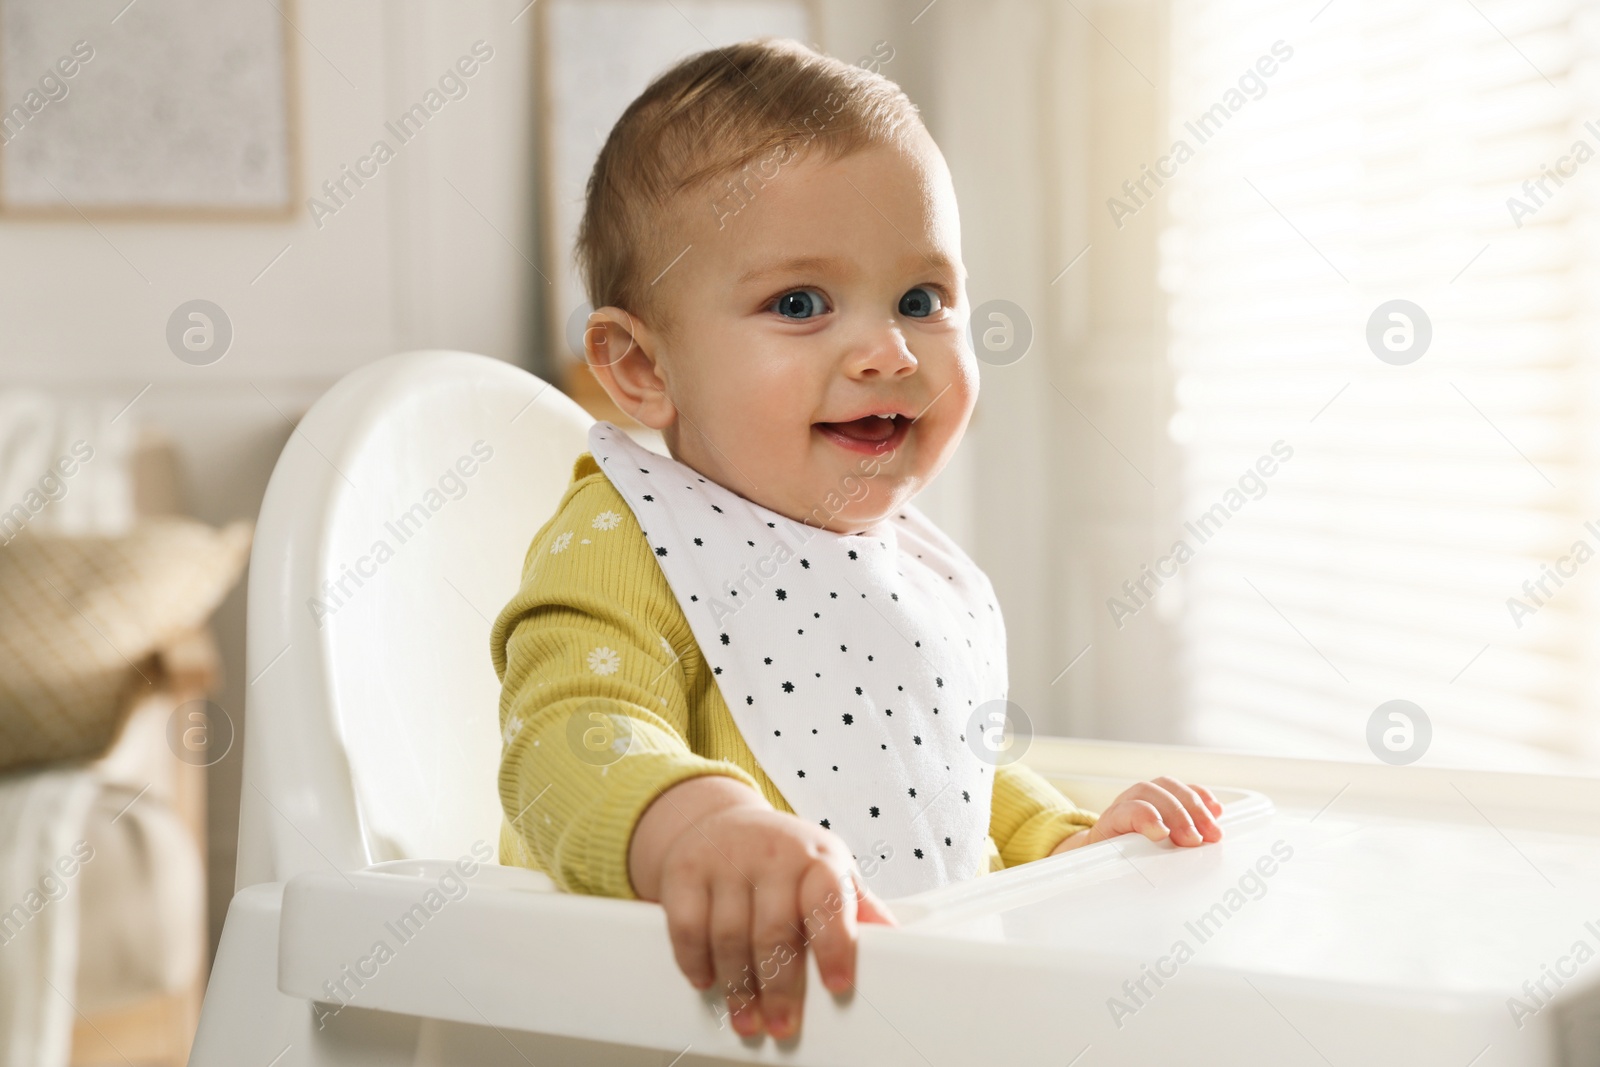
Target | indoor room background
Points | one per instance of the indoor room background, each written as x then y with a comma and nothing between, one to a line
1284,310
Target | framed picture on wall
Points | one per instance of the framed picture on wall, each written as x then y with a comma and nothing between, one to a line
169,109
592,58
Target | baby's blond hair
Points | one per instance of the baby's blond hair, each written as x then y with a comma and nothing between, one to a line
711,115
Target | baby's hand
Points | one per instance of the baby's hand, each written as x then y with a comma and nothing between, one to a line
1160,808
745,888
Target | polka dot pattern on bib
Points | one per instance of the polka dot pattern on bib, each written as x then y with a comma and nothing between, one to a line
850,662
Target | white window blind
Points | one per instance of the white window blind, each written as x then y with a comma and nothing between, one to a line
1378,561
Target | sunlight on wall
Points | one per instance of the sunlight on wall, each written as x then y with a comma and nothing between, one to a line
1440,459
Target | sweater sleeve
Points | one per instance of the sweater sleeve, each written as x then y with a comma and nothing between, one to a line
1029,816
593,706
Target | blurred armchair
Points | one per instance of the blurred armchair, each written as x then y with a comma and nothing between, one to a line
106,660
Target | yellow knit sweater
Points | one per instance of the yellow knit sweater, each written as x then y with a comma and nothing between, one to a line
595,628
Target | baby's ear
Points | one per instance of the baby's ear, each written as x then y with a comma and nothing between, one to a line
621,352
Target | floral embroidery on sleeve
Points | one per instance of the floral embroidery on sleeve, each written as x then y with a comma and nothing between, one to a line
513,727
604,660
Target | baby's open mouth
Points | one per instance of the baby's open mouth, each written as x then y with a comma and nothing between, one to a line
872,434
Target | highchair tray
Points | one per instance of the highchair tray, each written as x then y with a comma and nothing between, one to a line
1365,932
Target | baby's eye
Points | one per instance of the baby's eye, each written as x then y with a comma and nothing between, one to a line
920,302
799,304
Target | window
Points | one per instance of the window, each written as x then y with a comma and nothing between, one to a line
1417,517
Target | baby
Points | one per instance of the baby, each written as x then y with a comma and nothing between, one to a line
752,681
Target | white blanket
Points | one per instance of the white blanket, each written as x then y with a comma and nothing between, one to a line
64,463
42,853
64,467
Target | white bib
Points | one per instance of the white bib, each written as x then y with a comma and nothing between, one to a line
855,665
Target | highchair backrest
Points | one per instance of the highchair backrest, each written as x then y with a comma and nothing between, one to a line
393,531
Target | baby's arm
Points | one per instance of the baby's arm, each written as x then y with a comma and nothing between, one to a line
1028,816
593,705
586,753
1031,819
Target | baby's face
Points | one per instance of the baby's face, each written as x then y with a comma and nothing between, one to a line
835,294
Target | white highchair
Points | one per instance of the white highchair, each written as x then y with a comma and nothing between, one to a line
1373,915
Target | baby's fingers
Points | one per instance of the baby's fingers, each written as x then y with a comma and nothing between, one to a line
829,913
687,903
869,909
1133,815
1195,807
1212,802
1173,814
730,952
780,956
1171,820
832,907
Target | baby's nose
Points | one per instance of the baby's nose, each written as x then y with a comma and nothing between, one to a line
885,353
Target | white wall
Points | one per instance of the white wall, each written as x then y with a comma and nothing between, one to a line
408,262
